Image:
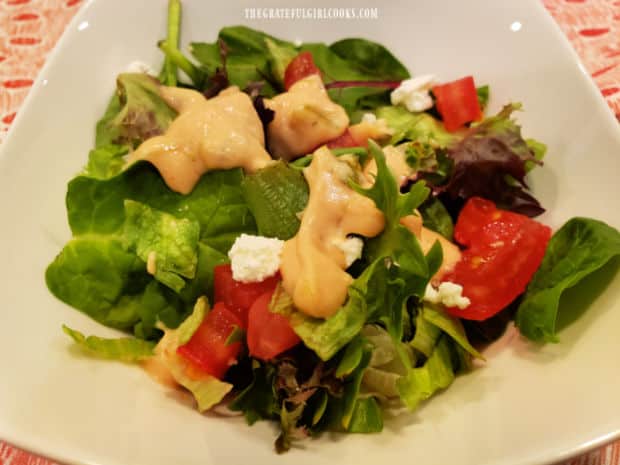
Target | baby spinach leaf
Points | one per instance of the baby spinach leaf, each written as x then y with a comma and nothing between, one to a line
370,58
436,217
576,250
276,195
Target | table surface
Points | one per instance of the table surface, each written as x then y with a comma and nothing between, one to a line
29,29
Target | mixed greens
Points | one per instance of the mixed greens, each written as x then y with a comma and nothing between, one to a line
142,257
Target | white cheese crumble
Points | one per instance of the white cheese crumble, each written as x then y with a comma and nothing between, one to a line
414,93
369,118
254,258
448,293
351,247
140,67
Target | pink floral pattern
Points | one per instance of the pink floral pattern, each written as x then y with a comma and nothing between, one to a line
593,27
29,29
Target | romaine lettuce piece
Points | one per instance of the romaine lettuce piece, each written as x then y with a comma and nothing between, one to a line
125,349
577,249
415,127
168,245
422,382
450,325
106,161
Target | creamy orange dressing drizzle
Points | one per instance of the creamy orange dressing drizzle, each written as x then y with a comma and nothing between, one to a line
305,118
220,133
376,130
313,267
396,162
312,263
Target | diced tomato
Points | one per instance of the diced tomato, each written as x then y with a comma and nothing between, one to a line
269,334
344,140
503,251
300,67
207,349
239,297
457,103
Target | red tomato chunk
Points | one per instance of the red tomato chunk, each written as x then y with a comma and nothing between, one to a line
269,334
237,296
502,252
457,103
207,348
300,67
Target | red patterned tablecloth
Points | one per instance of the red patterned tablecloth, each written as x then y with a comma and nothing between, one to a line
29,29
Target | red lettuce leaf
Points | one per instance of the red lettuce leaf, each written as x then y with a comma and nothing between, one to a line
490,162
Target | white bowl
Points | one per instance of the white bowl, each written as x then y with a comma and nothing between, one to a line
527,405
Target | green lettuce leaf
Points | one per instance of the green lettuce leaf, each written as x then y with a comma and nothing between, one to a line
92,274
415,126
327,336
276,195
125,349
280,55
106,161
576,250
436,217
251,56
96,274
426,335
386,364
105,132
143,113
422,382
258,399
357,60
483,96
352,412
450,325
169,242
97,206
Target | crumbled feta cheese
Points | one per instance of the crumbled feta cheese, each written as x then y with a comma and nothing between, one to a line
254,258
369,118
352,249
140,67
414,93
431,295
448,293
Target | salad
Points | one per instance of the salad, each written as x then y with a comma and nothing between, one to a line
308,234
